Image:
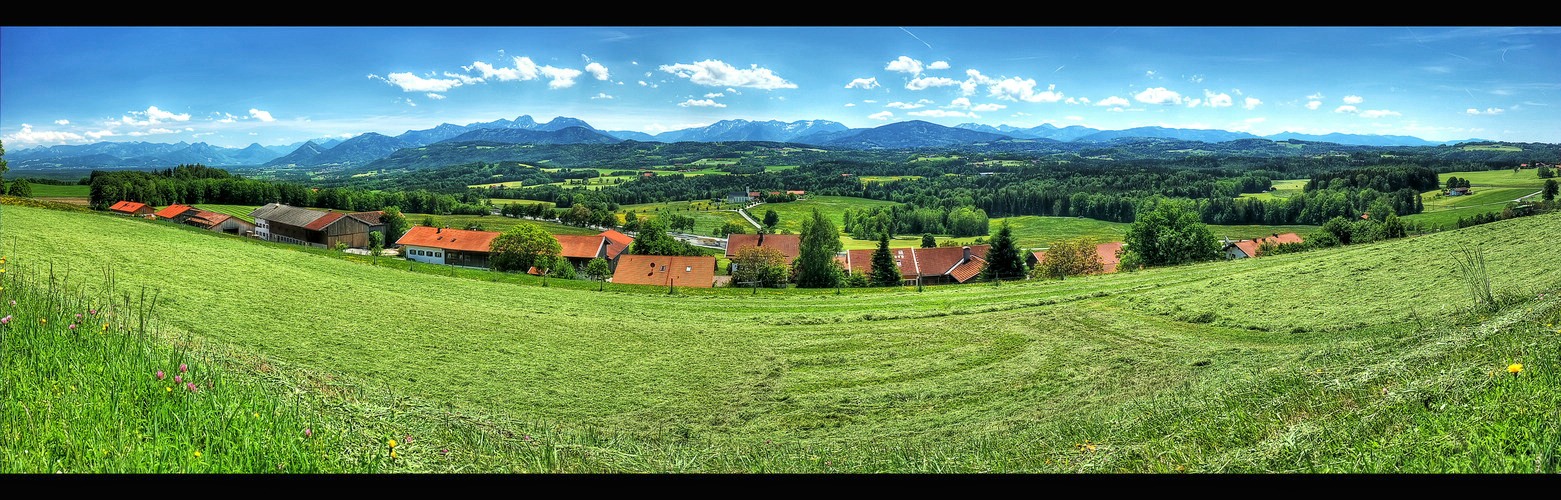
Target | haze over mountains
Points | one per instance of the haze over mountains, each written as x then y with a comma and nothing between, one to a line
372,146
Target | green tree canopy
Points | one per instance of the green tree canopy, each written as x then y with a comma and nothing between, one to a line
929,241
523,245
885,272
1003,260
759,266
815,265
654,240
1168,233
1075,257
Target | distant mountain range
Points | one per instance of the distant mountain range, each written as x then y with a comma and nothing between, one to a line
371,146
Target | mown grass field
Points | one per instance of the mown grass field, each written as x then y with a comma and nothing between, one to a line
54,191
1354,359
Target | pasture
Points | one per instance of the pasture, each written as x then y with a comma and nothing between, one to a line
1365,358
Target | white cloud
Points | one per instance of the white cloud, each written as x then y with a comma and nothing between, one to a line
1346,109
1488,111
908,105
938,65
562,78
870,101
716,73
228,118
987,107
413,83
62,122
1217,100
1378,113
409,102
942,113
99,134
714,95
436,97
1192,102
158,115
597,70
1353,99
1252,103
931,81
1317,96
850,105
1195,78
264,116
703,103
601,95
1114,101
1017,89
29,136
881,115
465,79
1158,95
905,65
1313,105
863,83
961,103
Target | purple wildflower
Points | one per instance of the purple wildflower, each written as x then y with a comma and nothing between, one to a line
6,320
160,375
191,386
183,367
178,379
308,432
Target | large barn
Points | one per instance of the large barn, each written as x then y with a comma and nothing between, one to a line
302,226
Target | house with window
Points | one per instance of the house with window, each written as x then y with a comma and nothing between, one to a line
1249,248
219,222
666,270
789,245
456,247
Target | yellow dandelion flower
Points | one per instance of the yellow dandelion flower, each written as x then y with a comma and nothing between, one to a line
392,443
392,453
1515,368
44,320
197,453
168,389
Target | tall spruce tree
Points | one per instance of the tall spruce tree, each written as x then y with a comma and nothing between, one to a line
885,272
1003,260
815,266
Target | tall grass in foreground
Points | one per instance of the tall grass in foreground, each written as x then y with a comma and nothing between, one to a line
85,387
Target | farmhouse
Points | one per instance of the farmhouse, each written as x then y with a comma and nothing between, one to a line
666,270
933,265
616,243
456,247
1458,191
1249,248
1106,251
789,245
130,208
301,226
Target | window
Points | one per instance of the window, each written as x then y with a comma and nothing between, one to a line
688,269
438,254
663,268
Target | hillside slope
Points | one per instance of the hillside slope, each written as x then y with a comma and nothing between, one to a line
1293,362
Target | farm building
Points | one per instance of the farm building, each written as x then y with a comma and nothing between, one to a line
301,226
1458,191
665,270
176,212
789,245
1106,251
213,221
932,265
616,243
580,249
738,197
134,208
456,247
1249,248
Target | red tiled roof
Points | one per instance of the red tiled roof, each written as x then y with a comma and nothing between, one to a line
860,261
616,243
128,207
789,245
796,192
172,211
969,269
324,220
940,260
1250,247
449,239
370,218
1108,256
580,246
662,270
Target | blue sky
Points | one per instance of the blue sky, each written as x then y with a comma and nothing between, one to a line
233,86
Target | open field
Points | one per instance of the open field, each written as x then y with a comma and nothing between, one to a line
1491,190
1353,359
54,191
1282,189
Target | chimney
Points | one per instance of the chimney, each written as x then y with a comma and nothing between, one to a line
438,230
761,238
967,254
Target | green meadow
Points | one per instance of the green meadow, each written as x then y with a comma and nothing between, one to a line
1372,358
1491,191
